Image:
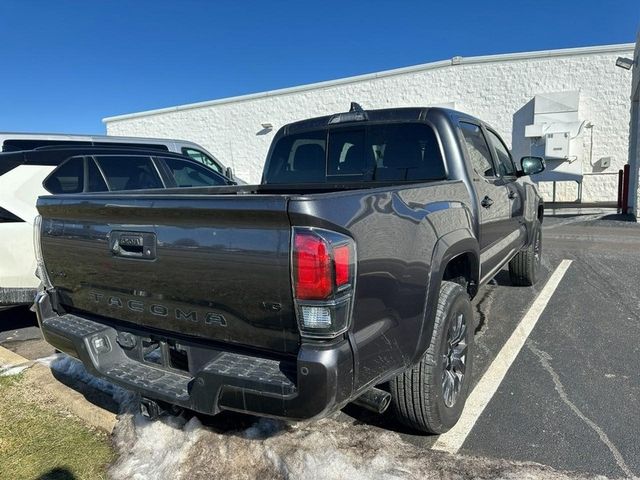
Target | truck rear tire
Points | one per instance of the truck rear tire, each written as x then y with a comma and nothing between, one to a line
431,395
524,267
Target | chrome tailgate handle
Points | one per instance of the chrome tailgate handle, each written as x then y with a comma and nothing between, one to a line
140,245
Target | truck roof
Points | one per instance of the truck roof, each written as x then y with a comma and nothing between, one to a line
402,114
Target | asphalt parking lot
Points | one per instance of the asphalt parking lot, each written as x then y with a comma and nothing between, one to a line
571,397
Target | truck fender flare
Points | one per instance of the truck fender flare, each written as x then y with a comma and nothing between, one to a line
448,247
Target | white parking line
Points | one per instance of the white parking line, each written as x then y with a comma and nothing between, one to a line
488,385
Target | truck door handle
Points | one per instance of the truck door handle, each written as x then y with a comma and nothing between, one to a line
512,194
486,202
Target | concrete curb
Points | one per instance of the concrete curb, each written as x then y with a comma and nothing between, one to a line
73,401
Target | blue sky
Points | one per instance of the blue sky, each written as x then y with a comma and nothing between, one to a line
67,64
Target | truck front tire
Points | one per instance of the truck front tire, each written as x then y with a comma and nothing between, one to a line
524,267
431,395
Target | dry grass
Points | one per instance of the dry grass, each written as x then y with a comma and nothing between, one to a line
39,440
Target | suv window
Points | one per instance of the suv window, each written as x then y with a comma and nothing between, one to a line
505,162
388,152
187,174
129,172
67,178
202,157
478,149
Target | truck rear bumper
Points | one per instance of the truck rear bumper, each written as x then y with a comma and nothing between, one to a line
319,381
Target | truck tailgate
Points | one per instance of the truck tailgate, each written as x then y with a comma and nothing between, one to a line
209,266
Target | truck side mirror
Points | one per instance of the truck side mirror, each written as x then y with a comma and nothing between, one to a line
228,172
531,165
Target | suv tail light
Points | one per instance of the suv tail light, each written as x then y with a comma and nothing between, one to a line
41,271
323,274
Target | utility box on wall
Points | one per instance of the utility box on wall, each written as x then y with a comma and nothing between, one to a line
555,135
556,145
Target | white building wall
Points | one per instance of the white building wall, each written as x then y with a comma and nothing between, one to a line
498,89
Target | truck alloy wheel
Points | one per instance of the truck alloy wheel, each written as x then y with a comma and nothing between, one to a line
454,361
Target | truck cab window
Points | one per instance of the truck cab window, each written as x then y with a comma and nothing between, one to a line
347,153
67,178
478,149
201,157
505,162
298,158
391,152
406,151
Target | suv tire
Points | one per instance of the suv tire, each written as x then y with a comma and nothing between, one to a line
431,395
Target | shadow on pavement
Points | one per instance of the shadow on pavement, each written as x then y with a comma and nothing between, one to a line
16,318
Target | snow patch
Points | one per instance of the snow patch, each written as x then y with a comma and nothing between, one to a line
331,449
10,370
334,448
153,449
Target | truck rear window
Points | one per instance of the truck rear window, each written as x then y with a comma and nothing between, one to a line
389,152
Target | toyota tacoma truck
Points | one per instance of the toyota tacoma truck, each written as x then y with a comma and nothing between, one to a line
346,276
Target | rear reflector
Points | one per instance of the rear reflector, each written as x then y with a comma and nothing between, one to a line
342,260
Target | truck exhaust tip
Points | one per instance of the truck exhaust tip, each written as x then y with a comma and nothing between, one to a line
153,410
375,400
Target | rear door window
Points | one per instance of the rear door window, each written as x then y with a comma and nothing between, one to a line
478,149
187,174
505,162
129,172
67,178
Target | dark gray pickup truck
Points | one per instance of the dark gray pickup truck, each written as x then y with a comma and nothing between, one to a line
345,276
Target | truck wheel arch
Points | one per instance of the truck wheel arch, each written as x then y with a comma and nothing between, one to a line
461,249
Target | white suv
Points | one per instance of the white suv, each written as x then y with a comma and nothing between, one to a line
11,142
26,175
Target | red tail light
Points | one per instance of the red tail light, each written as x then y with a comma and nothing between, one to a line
323,273
312,267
